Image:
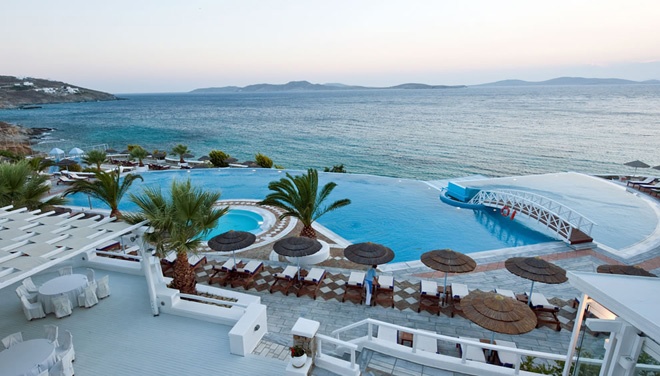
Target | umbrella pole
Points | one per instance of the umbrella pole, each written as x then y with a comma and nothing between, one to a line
234,255
444,292
529,301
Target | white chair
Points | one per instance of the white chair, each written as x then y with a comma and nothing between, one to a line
52,332
29,285
65,348
88,297
22,291
91,276
63,367
387,334
32,310
103,287
12,339
472,352
426,343
65,270
506,358
62,306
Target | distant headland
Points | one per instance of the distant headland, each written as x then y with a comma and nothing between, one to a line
567,81
29,93
307,86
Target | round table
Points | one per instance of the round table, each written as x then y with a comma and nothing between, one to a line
27,357
70,285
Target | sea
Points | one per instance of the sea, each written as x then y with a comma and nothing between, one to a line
418,134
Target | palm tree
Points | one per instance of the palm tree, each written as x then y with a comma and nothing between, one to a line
22,186
39,164
108,187
95,157
179,223
180,150
139,153
300,198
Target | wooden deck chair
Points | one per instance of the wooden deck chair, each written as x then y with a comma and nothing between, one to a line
354,289
384,291
245,276
284,280
546,313
311,282
429,297
221,274
166,266
458,291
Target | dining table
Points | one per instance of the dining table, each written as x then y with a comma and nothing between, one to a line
70,285
28,358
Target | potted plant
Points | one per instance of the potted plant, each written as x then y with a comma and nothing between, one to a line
298,356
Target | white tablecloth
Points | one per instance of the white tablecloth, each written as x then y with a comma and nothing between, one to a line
27,357
71,285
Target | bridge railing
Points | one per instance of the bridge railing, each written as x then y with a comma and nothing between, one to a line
557,216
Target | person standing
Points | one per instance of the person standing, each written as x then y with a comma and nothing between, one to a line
369,282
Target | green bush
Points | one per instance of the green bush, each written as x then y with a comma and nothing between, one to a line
219,158
336,168
263,161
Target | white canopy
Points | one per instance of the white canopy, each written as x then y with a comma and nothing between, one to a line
56,151
76,151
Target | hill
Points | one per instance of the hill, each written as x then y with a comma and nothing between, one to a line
307,86
30,92
570,81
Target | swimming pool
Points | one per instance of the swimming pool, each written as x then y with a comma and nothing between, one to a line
237,220
405,215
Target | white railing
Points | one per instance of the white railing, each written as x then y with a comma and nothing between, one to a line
351,347
437,360
554,215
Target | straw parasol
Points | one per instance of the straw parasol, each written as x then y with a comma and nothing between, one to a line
636,164
537,270
624,270
111,151
498,313
368,253
448,261
204,158
297,246
232,241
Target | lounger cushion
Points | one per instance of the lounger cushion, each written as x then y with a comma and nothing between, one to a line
387,334
507,293
473,352
356,279
429,288
386,282
288,273
507,358
539,301
314,275
459,290
251,267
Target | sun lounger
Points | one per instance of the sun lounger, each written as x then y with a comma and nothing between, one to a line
426,343
64,180
507,293
507,359
311,282
222,273
458,292
472,352
546,313
384,291
354,288
648,180
245,275
284,280
648,187
429,297
75,176
387,334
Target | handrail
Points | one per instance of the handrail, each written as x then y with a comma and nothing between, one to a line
351,346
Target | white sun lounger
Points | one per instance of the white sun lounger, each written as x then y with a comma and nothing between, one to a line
506,358
388,334
426,343
507,293
472,352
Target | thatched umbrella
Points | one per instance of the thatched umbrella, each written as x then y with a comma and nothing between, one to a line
231,241
111,151
537,270
204,158
624,270
66,163
297,246
448,261
369,253
498,313
636,164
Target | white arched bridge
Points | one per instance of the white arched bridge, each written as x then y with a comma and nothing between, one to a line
570,225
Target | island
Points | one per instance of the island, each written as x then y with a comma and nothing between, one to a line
29,93
308,86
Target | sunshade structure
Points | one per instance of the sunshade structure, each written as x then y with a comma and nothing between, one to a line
624,270
537,270
57,153
231,241
76,152
297,246
204,158
448,261
636,164
369,253
66,163
188,155
111,151
498,313
159,155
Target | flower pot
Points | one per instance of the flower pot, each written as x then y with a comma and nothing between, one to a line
299,361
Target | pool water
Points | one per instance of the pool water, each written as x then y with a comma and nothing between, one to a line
405,215
237,220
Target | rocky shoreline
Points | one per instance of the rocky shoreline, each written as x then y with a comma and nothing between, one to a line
19,140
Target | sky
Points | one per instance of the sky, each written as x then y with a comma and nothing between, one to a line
128,46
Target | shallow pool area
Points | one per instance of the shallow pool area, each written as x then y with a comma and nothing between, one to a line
238,220
405,215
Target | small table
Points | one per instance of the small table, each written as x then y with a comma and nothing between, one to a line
405,338
70,285
28,357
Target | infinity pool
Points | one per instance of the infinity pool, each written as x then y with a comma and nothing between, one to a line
405,215
237,220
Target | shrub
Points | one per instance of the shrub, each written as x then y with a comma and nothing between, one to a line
336,168
219,158
297,351
263,161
